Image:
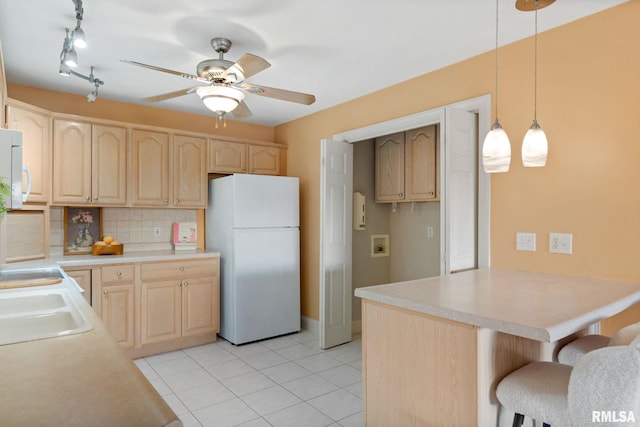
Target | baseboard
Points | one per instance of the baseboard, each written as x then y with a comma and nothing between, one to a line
356,327
309,324
313,325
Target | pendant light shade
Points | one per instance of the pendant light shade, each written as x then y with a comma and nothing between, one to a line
534,147
496,150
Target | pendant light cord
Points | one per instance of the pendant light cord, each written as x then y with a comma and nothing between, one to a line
497,60
535,68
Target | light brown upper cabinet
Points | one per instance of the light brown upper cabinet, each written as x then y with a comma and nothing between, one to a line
242,157
152,153
406,166
89,164
35,125
150,168
189,171
264,160
227,156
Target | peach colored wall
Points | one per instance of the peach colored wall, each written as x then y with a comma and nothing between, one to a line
588,104
60,102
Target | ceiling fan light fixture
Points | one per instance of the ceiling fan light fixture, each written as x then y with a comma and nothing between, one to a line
220,99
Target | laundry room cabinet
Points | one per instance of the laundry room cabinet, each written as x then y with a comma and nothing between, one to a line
406,166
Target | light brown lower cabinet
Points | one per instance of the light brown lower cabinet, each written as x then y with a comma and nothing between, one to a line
153,307
178,299
114,300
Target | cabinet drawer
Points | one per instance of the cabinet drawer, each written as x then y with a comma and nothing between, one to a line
117,274
179,269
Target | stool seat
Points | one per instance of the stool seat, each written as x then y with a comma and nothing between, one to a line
572,352
538,390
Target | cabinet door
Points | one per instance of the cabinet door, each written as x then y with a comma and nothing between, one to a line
36,148
227,157
160,311
200,306
150,168
71,162
109,165
389,175
117,312
420,165
264,160
83,278
189,172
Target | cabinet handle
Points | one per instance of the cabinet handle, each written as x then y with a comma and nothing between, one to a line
185,283
166,201
104,292
400,194
177,201
181,268
88,198
243,169
179,284
95,199
119,274
253,169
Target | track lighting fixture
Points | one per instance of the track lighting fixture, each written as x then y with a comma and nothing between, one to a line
77,35
69,56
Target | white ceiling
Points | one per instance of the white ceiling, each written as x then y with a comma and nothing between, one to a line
335,49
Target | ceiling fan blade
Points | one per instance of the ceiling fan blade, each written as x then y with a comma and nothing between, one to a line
246,66
242,110
285,95
165,70
170,95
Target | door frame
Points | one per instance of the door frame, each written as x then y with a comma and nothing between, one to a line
482,107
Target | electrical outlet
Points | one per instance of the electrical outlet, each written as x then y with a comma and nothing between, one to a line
561,243
156,233
430,232
526,242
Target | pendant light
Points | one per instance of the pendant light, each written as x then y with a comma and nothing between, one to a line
496,149
534,145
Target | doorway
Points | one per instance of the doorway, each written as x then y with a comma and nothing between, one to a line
464,236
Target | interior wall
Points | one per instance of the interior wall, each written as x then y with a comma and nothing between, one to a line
414,255
60,102
588,91
367,270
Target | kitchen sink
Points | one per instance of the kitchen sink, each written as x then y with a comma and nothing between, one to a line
33,315
40,273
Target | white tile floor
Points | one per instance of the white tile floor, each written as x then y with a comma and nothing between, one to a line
284,381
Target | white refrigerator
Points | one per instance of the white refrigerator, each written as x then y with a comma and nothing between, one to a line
252,220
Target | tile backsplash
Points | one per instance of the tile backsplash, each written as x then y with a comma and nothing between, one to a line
132,226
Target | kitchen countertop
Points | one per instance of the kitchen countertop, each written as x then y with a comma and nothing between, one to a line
72,261
84,379
540,306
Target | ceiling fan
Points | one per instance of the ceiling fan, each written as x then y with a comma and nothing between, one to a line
225,82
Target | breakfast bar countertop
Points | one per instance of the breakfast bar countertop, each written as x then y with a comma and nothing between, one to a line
540,306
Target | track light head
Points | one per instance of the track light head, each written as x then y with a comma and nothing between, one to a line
79,40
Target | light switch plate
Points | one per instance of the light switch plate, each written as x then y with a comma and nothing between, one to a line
561,243
526,242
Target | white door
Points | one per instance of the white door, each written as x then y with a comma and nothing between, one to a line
336,192
461,190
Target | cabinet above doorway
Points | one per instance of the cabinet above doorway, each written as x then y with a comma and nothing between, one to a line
406,166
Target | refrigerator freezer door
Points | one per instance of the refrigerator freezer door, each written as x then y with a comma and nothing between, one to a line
267,283
265,201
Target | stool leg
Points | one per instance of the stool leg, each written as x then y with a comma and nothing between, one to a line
546,425
518,419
